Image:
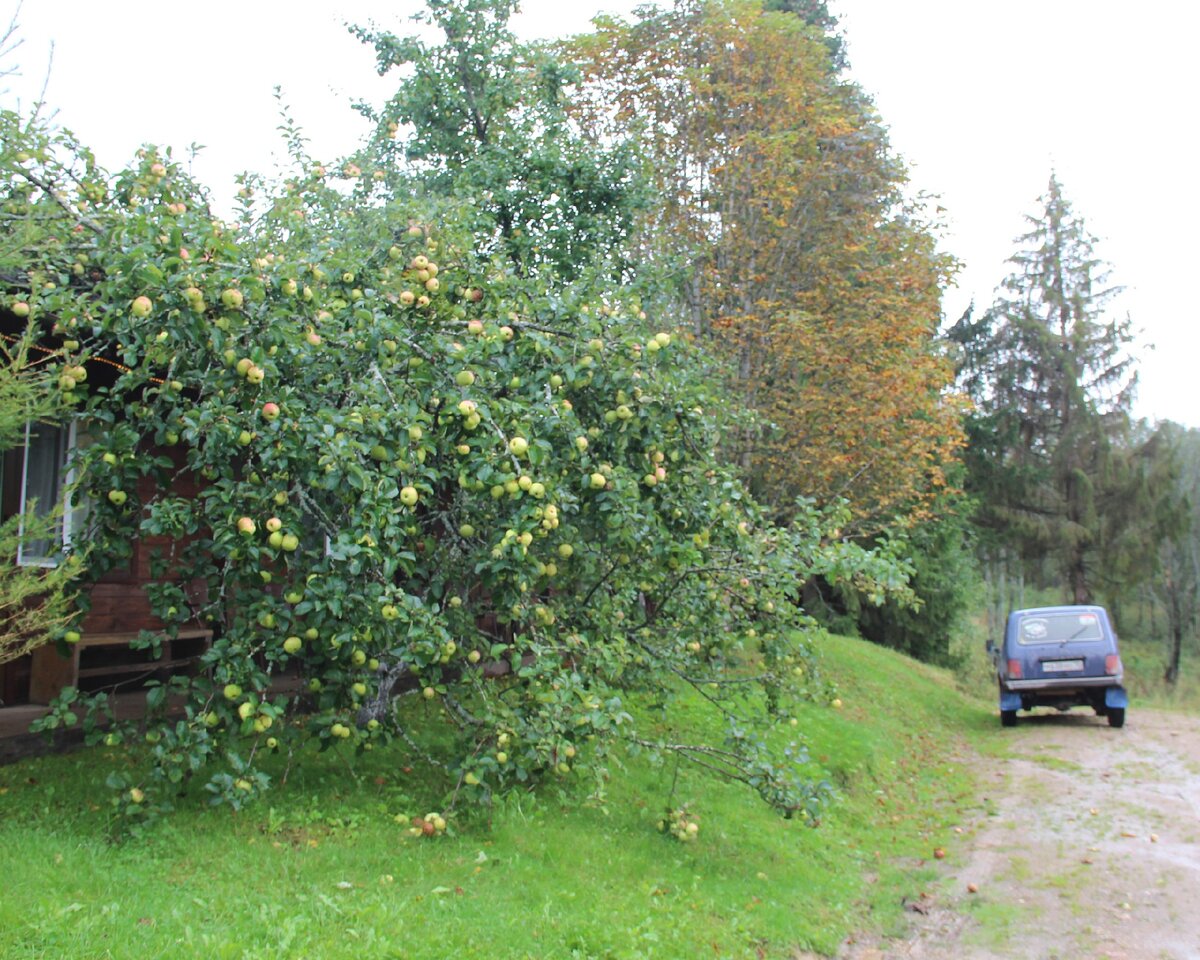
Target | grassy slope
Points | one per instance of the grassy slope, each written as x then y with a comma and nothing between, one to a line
551,877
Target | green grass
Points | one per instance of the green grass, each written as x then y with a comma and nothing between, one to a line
320,869
1145,664
995,922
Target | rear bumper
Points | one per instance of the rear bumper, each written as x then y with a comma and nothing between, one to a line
1026,694
1059,683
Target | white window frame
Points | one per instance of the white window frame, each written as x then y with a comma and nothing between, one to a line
63,495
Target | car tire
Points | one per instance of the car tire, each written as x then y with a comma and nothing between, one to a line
1008,718
1116,717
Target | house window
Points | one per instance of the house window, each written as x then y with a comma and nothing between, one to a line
41,472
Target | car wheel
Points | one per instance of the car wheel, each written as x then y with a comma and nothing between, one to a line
1116,716
1008,718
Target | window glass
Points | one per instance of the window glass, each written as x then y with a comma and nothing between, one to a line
1060,628
77,504
41,486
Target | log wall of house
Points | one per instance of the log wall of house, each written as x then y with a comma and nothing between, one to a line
119,604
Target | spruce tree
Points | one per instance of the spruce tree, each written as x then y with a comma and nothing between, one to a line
1052,377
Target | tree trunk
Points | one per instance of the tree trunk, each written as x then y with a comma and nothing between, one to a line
1077,575
1173,652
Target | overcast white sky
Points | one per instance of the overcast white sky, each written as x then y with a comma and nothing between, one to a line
982,101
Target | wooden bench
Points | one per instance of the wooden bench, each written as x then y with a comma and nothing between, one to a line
100,655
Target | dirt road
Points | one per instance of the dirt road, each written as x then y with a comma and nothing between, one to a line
1086,843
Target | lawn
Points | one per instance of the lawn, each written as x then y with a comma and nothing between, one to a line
322,868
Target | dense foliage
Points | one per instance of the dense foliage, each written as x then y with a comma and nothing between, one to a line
1167,500
379,450
943,579
34,601
480,116
794,249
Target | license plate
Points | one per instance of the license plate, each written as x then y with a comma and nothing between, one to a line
1061,666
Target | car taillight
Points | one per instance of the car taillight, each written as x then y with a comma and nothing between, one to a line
1112,664
1014,669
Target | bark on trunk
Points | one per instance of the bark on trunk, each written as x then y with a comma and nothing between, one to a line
1172,674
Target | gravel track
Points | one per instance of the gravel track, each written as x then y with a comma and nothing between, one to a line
1085,843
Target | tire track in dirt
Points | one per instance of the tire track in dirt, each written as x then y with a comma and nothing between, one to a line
1085,842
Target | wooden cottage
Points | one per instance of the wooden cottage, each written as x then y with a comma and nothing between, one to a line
38,470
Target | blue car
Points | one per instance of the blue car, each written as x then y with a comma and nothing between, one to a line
1060,657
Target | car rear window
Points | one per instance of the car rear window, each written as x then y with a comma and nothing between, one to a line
1060,628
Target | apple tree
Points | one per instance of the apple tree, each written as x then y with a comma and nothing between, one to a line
380,457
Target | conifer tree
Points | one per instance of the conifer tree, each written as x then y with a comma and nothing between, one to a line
1052,377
